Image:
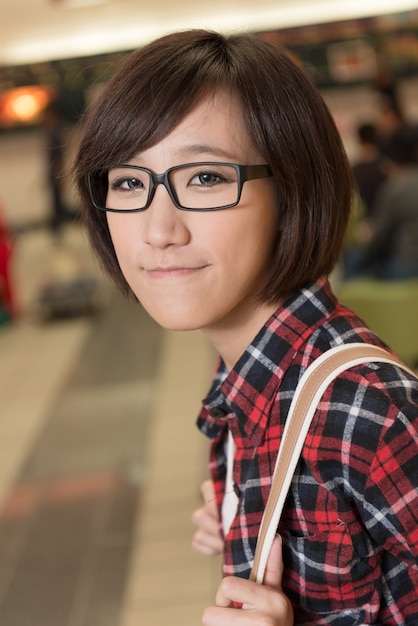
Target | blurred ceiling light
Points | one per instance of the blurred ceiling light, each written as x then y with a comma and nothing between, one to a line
23,105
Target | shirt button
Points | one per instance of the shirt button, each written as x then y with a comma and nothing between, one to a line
237,490
217,412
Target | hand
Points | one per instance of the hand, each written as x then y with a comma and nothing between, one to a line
207,539
264,605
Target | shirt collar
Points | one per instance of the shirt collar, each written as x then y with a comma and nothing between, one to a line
244,396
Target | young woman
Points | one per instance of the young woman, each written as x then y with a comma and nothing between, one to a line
216,190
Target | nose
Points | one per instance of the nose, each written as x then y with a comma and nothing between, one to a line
163,224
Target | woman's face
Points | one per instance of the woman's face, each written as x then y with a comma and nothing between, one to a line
194,269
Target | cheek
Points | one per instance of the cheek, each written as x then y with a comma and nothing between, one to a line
254,235
122,233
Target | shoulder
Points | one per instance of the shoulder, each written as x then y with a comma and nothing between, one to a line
374,392
365,409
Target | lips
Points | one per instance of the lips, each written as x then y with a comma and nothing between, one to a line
173,271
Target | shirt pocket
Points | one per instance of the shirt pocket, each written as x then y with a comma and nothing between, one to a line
324,573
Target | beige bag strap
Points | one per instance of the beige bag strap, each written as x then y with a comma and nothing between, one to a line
308,393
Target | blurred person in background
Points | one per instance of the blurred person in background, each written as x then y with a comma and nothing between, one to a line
216,192
368,168
397,135
53,122
391,253
386,85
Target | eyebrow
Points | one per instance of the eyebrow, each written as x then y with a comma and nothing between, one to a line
188,151
203,148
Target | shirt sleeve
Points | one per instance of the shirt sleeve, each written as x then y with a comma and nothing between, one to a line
388,501
390,505
362,468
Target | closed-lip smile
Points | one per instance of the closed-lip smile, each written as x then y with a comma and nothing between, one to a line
172,270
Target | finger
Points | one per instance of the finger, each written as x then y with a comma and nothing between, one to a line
206,518
246,592
274,568
206,549
209,546
215,616
208,491
260,603
234,589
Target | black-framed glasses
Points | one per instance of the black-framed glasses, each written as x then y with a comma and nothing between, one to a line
207,186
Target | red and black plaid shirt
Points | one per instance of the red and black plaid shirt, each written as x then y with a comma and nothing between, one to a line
350,523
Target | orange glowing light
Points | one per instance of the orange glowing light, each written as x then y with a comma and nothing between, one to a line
23,105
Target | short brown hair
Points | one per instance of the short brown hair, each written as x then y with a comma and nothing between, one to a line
286,117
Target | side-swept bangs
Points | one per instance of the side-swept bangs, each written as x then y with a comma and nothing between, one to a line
291,127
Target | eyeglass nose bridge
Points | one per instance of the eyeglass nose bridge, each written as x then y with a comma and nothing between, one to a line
161,179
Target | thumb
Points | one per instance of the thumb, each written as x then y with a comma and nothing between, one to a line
274,568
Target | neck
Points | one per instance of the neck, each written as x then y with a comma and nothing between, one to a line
230,339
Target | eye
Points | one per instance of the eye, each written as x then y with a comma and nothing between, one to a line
211,178
127,183
206,178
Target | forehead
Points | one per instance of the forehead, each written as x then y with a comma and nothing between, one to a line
213,127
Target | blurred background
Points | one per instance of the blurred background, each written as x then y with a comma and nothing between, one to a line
100,461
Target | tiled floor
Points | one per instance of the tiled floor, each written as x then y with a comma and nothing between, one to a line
100,461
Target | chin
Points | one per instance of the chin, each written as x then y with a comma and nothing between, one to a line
180,326
174,321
